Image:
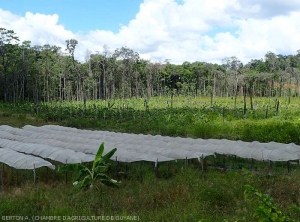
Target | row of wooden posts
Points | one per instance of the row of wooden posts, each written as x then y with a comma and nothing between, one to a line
202,163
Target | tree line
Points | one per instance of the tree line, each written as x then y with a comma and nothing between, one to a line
51,73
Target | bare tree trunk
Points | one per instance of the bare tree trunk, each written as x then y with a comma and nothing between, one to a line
290,90
65,89
211,96
99,88
123,89
297,87
235,91
251,95
136,85
272,89
60,88
104,81
148,86
113,89
5,79
84,98
212,90
245,103
280,87
77,91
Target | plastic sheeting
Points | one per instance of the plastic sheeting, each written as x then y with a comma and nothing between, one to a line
47,152
21,161
137,147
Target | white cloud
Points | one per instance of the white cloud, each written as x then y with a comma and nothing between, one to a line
265,9
38,28
189,30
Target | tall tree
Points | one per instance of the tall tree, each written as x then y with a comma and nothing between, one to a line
8,40
127,66
234,65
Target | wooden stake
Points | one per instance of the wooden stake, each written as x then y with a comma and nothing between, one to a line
202,165
126,170
289,167
234,161
116,171
2,173
186,162
17,176
34,174
66,174
156,168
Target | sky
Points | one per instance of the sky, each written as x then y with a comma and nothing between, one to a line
160,30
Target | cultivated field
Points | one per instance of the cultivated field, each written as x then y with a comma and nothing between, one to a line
173,191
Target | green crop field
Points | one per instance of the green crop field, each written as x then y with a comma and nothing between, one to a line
270,119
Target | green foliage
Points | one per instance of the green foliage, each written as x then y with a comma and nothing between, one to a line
49,75
87,177
266,210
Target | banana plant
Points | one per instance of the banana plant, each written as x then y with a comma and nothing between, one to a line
87,177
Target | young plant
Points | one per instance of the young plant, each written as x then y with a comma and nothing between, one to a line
87,177
267,210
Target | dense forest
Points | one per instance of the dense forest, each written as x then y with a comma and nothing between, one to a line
50,73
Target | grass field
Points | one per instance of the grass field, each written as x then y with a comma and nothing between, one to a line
176,192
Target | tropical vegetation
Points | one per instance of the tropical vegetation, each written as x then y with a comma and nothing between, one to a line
120,91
